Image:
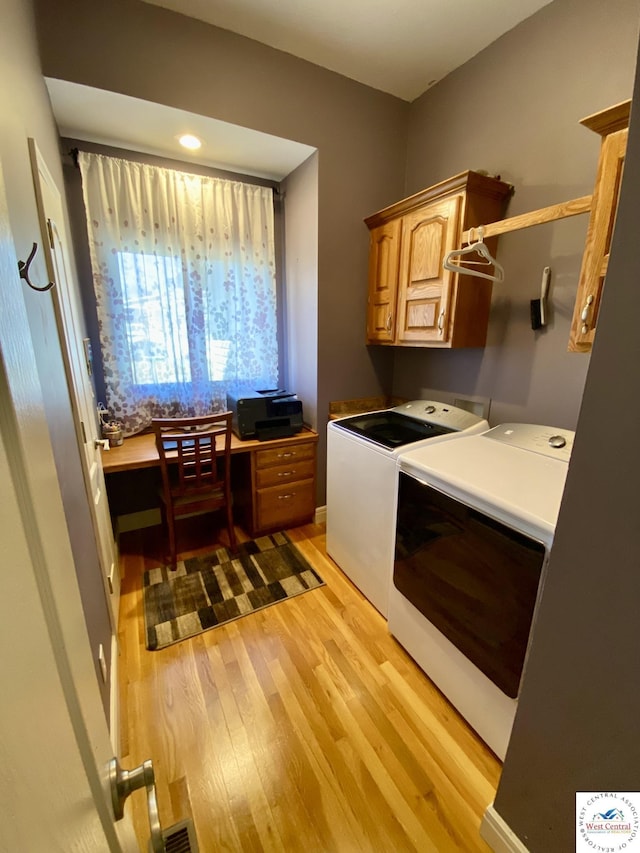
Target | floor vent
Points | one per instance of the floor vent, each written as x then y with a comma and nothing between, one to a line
180,838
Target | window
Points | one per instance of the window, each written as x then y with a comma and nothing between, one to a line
155,315
184,280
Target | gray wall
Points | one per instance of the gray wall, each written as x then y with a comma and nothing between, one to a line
576,724
576,728
514,110
25,112
148,52
301,288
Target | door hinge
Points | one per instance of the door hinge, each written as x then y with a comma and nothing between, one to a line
50,232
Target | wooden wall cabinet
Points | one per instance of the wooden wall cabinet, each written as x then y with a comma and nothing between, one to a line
413,300
282,480
612,124
384,265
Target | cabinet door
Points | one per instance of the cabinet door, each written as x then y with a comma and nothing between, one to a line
425,287
596,253
384,254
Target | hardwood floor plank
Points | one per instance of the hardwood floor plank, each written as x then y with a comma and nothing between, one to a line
300,727
381,830
327,810
381,774
261,746
442,743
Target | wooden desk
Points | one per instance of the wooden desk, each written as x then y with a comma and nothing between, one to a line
273,482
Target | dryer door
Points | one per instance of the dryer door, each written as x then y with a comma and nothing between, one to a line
475,579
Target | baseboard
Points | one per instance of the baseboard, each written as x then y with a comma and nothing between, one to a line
114,698
320,516
138,520
498,835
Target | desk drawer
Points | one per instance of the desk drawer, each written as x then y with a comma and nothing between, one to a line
282,506
278,475
285,455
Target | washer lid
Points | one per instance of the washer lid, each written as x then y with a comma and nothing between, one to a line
416,421
389,429
492,473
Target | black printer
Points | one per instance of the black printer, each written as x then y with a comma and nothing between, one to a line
265,414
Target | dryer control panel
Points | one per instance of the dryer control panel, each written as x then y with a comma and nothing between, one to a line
549,441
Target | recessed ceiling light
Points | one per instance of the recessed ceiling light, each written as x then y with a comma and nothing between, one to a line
189,141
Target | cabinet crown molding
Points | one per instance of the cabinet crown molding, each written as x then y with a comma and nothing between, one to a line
476,182
610,120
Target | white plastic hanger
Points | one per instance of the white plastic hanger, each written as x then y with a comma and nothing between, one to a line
466,265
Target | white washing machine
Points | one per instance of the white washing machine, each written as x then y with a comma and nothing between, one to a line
475,525
362,451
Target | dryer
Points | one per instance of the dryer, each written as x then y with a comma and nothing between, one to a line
475,525
362,451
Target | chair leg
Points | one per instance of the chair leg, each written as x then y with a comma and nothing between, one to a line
232,532
171,530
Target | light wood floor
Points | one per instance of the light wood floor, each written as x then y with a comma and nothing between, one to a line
302,727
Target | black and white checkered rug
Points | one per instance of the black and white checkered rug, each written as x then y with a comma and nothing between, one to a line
205,592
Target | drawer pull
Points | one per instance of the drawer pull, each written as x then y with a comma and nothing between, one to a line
286,497
286,454
286,473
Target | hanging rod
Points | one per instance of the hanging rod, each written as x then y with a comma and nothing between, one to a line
535,217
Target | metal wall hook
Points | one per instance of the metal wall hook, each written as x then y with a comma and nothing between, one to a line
23,269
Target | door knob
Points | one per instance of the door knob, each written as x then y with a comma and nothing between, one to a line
125,782
101,442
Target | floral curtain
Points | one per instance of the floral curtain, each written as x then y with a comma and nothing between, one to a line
184,280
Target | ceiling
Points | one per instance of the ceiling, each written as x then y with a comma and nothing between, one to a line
401,47
94,115
398,46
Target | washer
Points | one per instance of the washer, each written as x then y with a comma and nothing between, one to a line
362,451
475,525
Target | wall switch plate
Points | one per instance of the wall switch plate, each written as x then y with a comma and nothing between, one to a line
103,662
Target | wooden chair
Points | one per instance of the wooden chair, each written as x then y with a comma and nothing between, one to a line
195,460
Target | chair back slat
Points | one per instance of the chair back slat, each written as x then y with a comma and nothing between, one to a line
195,462
190,450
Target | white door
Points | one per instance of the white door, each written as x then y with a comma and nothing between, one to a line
68,313
54,741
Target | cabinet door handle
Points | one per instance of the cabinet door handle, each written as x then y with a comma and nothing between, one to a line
389,323
441,322
585,314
